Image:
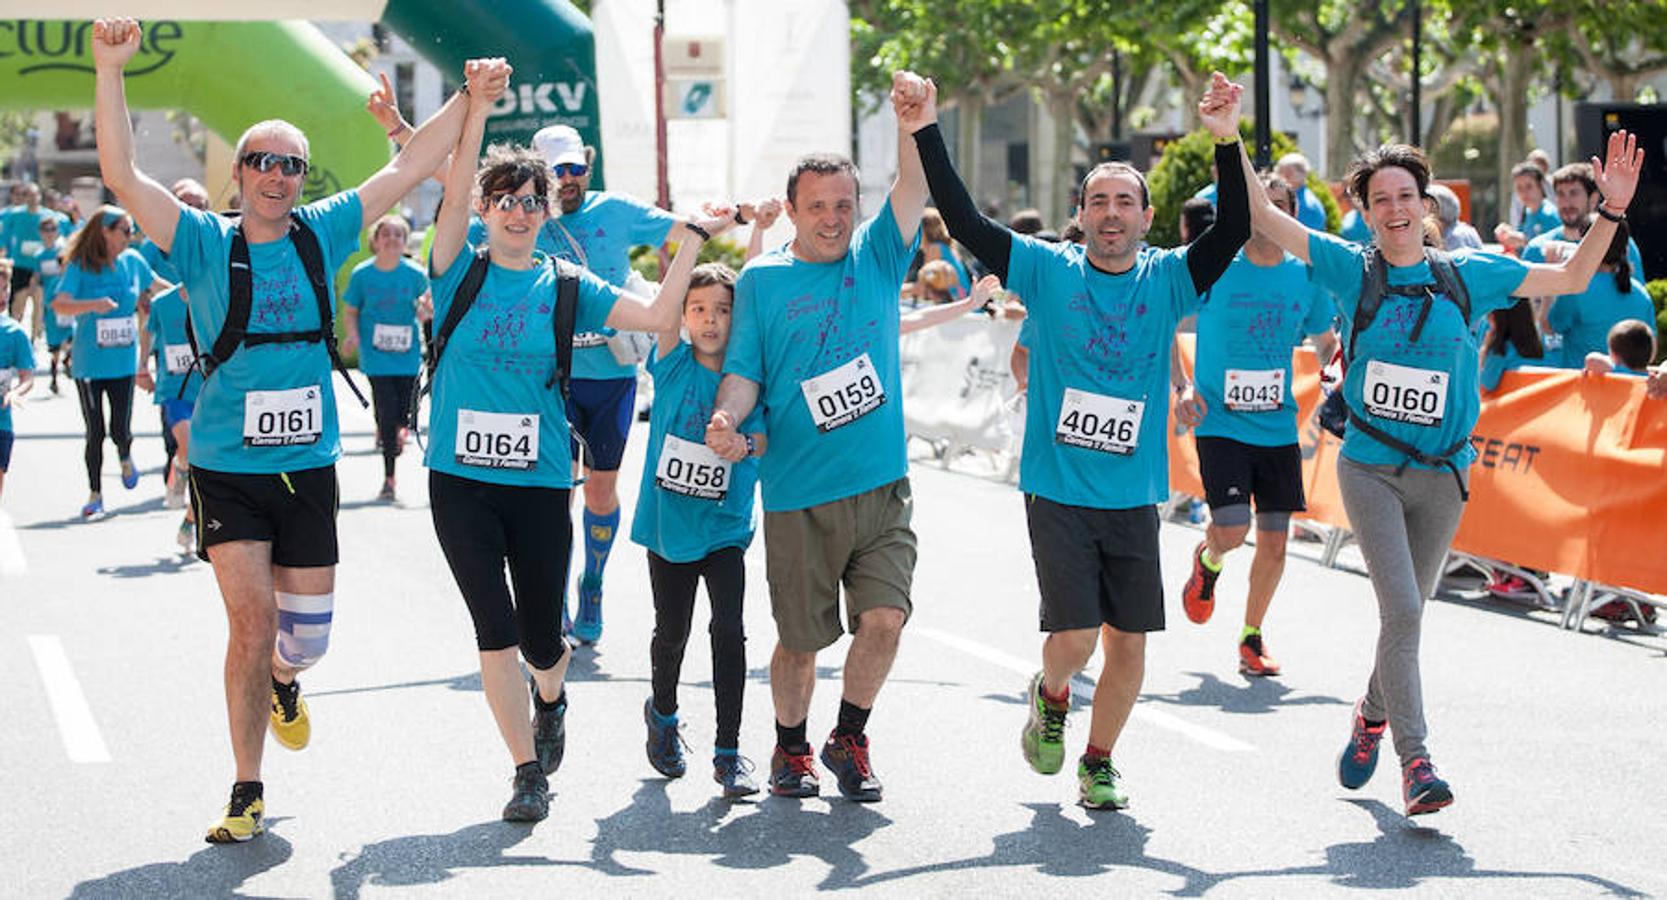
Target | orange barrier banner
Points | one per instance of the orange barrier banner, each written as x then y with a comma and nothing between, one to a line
1568,476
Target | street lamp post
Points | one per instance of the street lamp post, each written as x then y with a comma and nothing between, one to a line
1415,126
1264,129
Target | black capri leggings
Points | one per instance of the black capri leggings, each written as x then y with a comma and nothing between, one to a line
481,526
93,391
391,396
674,587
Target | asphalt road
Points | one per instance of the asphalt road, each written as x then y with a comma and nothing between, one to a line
114,755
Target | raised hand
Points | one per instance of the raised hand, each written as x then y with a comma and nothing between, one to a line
488,78
915,101
114,42
383,108
1219,110
768,211
985,290
1617,176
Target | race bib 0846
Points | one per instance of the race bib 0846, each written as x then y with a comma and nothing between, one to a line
283,418
118,332
1254,390
692,470
843,395
391,338
1099,422
497,440
1405,394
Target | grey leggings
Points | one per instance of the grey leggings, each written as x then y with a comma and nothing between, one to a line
1404,525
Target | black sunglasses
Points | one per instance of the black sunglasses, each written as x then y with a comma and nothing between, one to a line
262,161
529,203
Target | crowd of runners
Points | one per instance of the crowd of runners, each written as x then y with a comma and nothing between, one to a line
521,334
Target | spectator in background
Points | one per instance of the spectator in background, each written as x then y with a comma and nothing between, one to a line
1586,320
1513,342
1576,197
1455,233
1542,161
1293,167
1197,214
1026,221
1207,193
1538,216
936,246
1630,347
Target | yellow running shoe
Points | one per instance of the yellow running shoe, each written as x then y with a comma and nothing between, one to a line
290,724
245,816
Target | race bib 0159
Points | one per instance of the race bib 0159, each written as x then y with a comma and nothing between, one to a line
843,395
1254,390
692,470
1405,394
283,418
497,440
1099,422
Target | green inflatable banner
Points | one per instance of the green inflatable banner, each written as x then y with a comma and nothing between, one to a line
204,68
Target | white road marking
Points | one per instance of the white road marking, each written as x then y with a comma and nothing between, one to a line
1209,737
75,719
11,550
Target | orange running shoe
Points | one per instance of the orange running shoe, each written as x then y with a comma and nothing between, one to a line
1198,597
1254,659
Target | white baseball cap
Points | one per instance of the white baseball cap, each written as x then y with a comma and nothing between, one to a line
559,144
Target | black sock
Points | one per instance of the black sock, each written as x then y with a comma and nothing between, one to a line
791,738
388,465
529,768
539,701
1372,724
852,718
249,789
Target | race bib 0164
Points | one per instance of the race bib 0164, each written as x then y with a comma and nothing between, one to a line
1254,390
118,332
843,395
1099,422
497,440
1405,394
692,470
283,418
391,338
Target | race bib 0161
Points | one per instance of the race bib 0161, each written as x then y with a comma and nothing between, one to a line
1254,390
1099,422
692,470
497,440
391,338
283,418
118,332
1405,394
843,395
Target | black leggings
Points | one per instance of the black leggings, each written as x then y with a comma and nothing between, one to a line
480,527
674,587
391,396
92,392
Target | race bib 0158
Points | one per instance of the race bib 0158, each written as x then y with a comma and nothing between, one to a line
692,470
1099,422
843,395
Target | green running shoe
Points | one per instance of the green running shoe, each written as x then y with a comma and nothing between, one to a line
1097,784
1043,739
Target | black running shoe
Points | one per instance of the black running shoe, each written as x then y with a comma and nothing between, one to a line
549,730
847,756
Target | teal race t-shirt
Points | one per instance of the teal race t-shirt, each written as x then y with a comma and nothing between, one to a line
171,350
389,335
15,356
107,344
1584,319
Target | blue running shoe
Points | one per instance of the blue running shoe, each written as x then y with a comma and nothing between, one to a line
130,474
587,627
1422,789
93,508
1360,756
665,742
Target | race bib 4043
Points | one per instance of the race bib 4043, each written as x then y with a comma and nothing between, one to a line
843,395
1405,394
497,440
391,338
118,332
1098,422
283,418
692,470
1254,390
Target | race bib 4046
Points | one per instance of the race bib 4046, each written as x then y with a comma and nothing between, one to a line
1098,422
1254,390
283,418
1405,394
843,395
692,470
497,440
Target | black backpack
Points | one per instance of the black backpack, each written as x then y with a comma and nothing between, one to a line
235,332
1334,414
563,321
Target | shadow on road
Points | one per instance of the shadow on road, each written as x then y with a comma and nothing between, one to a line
152,505
421,859
1252,696
469,681
214,871
162,565
740,835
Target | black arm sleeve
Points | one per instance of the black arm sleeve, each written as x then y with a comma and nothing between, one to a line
987,239
1213,251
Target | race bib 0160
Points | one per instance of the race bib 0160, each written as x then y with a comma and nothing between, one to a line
391,338
1405,394
843,395
692,470
497,440
118,332
1254,390
1099,422
283,418
178,358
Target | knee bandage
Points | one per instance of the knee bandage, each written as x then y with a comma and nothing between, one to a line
303,628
